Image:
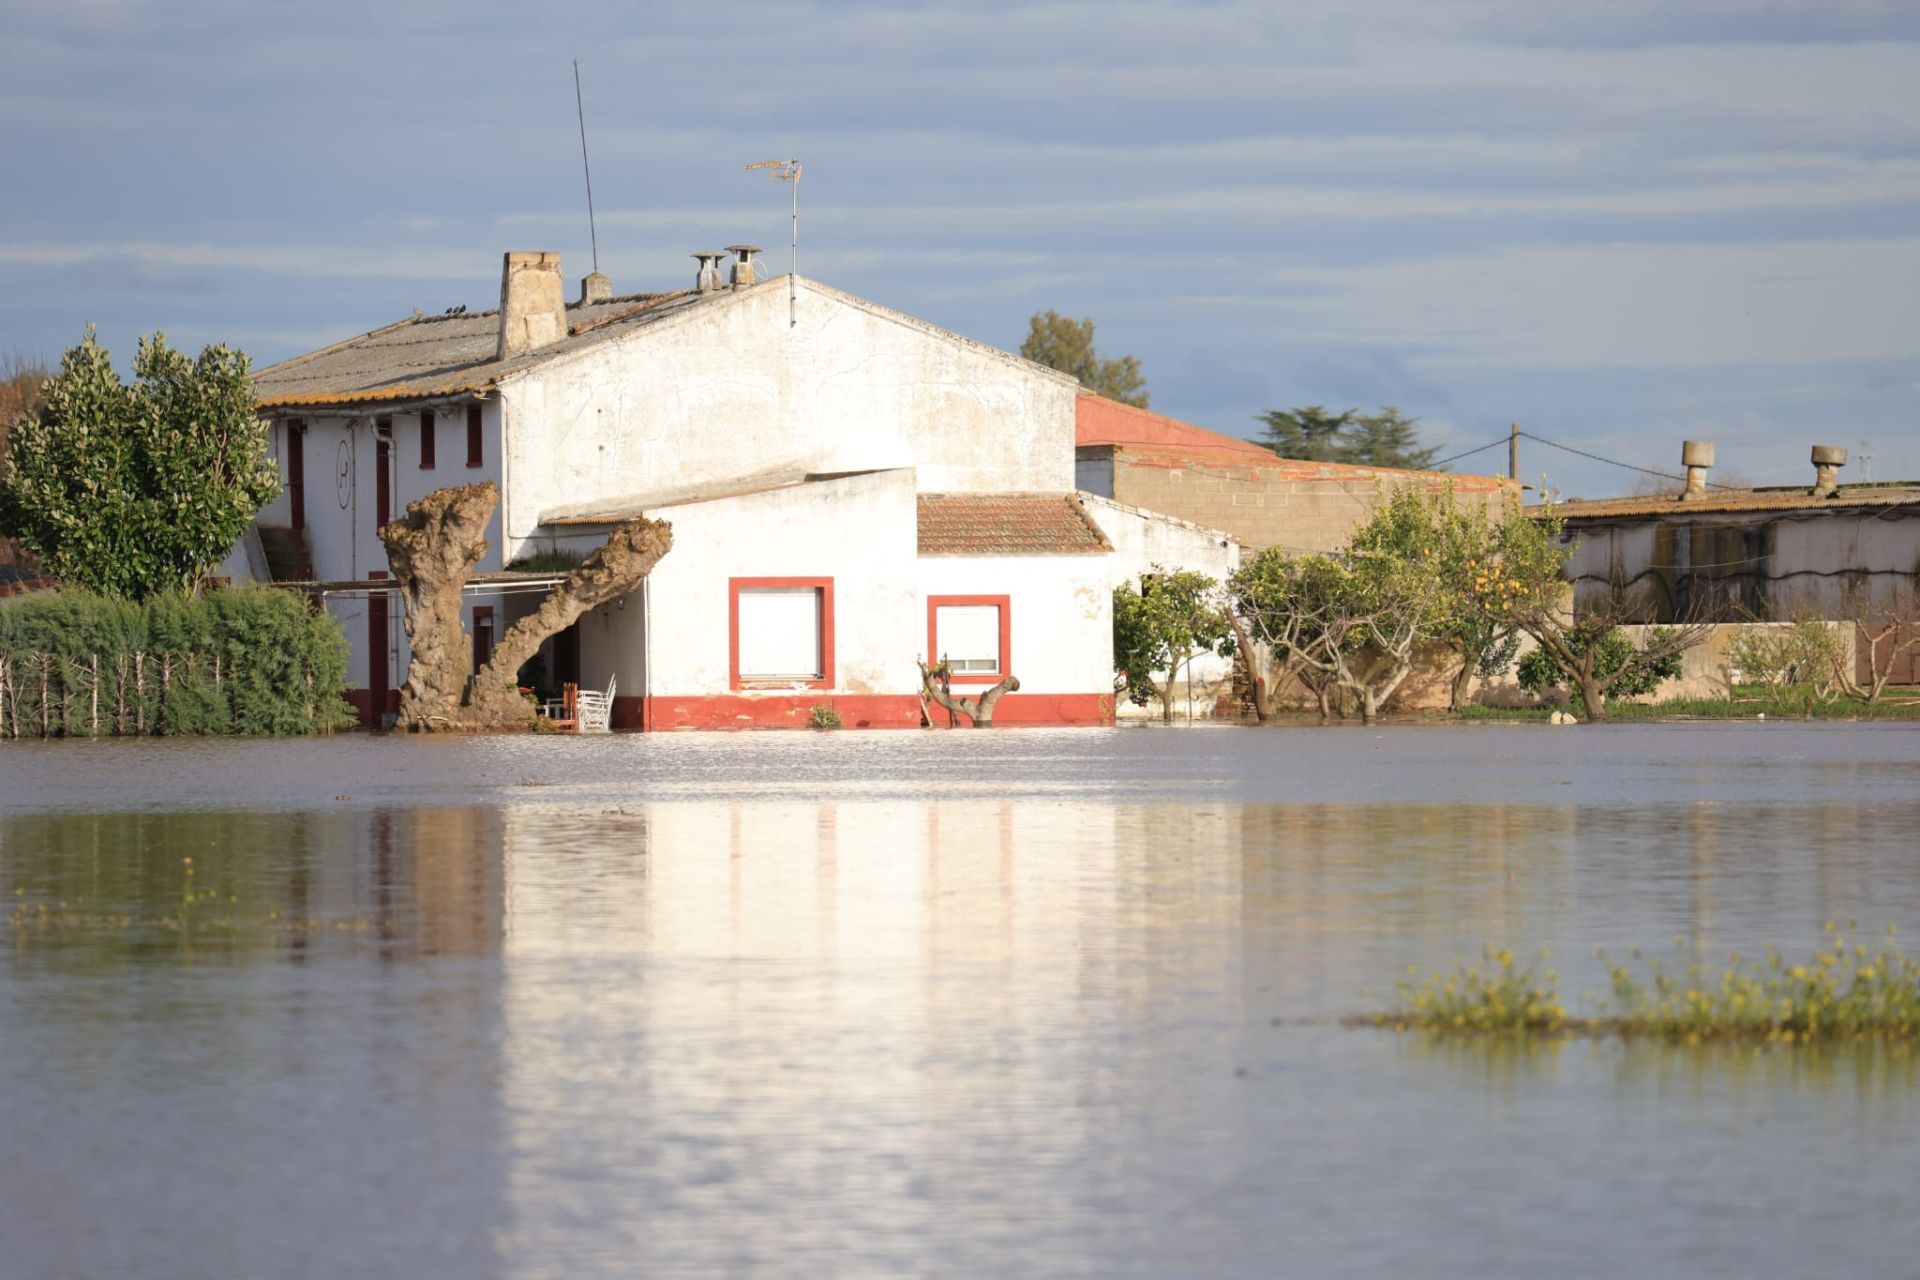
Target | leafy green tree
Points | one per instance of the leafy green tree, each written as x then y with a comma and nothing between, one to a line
1160,625
1358,620
1623,670
134,489
1385,439
1524,583
1309,433
1064,343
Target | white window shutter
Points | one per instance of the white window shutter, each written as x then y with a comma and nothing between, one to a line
968,636
780,633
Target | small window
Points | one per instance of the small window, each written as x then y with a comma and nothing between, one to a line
782,631
473,436
426,440
971,634
969,637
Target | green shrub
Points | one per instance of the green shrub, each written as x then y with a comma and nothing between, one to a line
824,717
248,660
1627,671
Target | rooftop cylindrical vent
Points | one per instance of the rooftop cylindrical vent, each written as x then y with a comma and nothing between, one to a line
1827,461
1697,457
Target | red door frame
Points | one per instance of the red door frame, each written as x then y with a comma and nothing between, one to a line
379,678
297,472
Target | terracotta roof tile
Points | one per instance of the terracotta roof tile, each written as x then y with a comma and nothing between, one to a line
1007,524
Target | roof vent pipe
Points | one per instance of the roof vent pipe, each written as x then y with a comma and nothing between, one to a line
708,279
744,270
533,303
1827,461
1696,456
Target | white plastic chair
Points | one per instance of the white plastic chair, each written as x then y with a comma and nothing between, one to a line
596,709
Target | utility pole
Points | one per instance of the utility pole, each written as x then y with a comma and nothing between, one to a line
1513,454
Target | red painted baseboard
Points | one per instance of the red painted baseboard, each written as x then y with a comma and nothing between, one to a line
857,711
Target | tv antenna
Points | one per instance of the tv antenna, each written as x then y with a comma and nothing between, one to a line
579,107
788,171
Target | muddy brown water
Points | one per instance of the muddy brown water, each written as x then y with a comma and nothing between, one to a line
1017,1003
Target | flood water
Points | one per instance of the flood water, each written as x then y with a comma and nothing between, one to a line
1023,1003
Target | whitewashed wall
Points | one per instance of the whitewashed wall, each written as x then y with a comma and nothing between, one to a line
1061,637
861,531
1143,539
341,526
729,390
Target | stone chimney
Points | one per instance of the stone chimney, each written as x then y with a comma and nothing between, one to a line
1697,457
708,279
744,272
595,288
533,303
1827,461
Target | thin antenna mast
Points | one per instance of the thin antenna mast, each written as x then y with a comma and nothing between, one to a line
580,110
788,171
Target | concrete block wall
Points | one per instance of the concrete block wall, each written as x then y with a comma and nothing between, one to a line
1302,506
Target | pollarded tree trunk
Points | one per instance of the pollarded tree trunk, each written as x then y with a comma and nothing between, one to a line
431,552
979,711
609,572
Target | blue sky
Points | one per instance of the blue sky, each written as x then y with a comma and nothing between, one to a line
1618,223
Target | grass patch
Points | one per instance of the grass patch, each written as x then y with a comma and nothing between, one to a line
1745,705
1845,992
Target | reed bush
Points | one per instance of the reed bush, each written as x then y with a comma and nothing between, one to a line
241,661
1845,991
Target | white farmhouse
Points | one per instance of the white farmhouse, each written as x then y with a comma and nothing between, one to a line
850,490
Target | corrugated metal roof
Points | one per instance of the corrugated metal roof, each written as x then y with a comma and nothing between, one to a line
1007,524
427,357
1735,501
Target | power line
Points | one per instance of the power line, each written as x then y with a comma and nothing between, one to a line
1451,458
1614,462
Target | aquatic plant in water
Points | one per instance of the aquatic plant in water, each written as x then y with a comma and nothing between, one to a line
1496,997
1845,991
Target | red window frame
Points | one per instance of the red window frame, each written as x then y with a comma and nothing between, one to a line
426,439
1005,605
734,587
475,448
